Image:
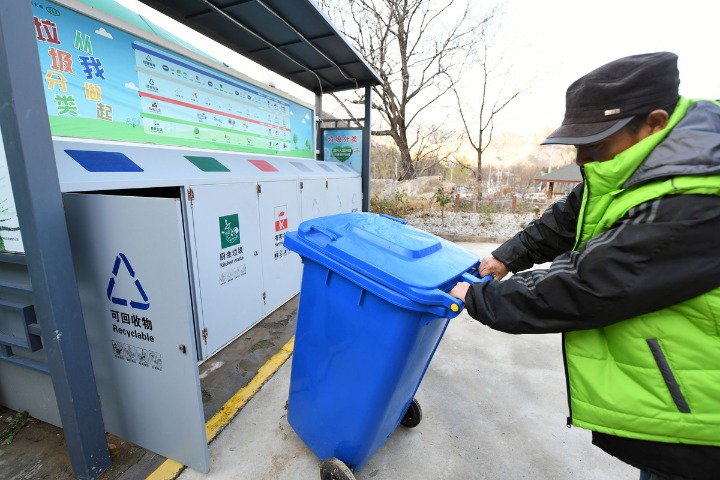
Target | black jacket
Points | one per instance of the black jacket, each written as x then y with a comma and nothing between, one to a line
660,253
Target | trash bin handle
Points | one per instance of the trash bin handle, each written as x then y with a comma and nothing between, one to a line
466,277
328,233
440,297
399,220
455,304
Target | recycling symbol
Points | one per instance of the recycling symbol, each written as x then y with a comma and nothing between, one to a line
122,259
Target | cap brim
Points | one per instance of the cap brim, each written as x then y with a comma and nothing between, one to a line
584,133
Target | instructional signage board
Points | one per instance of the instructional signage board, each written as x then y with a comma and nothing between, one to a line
10,238
343,145
103,83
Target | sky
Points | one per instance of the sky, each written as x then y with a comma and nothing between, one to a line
550,43
561,40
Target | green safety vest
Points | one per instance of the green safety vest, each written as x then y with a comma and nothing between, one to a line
615,374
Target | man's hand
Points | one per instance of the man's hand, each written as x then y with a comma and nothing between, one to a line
460,290
492,266
489,266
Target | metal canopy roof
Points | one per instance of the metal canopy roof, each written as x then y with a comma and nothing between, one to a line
291,38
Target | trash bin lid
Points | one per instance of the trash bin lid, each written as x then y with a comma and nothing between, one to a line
388,251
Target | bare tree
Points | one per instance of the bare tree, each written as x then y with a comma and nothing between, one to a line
418,48
384,160
486,104
438,147
523,177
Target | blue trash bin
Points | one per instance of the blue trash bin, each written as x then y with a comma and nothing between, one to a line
373,308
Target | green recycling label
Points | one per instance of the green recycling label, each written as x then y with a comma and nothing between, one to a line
342,153
229,230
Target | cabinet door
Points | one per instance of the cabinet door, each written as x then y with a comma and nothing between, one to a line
131,266
279,214
344,195
226,247
313,198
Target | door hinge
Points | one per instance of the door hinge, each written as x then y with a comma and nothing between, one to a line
264,297
205,335
301,185
191,195
259,189
326,184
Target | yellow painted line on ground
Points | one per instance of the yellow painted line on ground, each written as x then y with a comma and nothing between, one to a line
170,469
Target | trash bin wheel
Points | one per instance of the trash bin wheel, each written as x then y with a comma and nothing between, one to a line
335,469
412,416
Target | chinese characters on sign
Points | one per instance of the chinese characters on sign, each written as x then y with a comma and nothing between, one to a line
280,250
103,83
343,145
130,327
231,253
281,227
62,64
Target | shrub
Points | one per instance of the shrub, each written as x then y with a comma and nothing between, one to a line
395,204
442,198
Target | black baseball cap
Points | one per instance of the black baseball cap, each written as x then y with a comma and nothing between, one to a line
606,99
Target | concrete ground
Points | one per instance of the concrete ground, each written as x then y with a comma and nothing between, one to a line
494,407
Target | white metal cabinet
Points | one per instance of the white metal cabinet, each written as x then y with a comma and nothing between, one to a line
313,198
279,214
327,196
227,262
344,195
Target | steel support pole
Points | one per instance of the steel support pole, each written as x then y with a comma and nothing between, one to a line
366,151
318,116
31,164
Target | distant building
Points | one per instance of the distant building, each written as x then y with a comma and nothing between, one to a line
561,180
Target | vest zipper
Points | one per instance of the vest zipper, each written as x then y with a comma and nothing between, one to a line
567,383
581,213
581,216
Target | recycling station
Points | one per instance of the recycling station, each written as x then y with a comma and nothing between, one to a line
195,264
179,179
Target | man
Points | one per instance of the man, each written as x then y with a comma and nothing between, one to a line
634,283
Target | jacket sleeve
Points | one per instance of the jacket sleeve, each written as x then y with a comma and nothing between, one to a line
544,238
659,254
